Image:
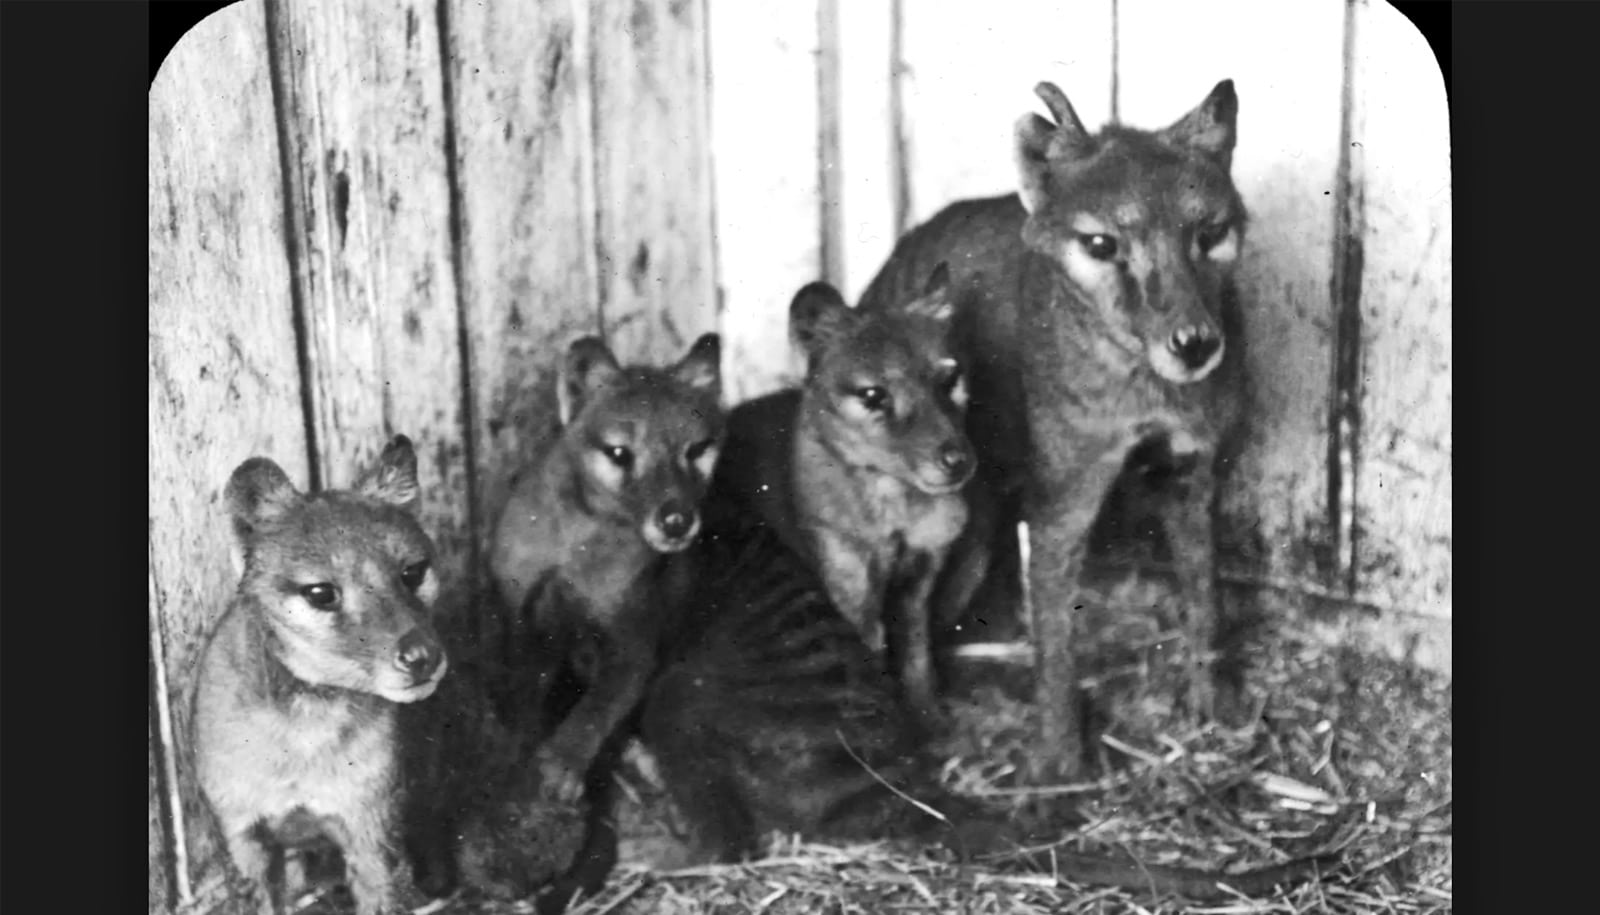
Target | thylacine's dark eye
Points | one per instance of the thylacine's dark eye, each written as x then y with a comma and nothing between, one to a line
618,455
698,450
1208,237
321,595
873,397
949,375
412,576
1101,247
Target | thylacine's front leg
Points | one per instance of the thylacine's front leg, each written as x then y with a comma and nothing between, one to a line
1191,533
253,858
1058,539
624,666
906,603
379,876
856,588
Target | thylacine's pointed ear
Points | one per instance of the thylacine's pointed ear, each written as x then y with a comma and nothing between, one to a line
257,492
392,478
1040,143
589,365
1211,128
701,368
817,314
935,301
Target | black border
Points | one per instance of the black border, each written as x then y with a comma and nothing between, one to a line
1524,230
72,235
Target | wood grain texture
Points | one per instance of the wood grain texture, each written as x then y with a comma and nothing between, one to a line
969,77
652,175
866,133
1285,60
764,141
160,861
518,78
224,382
1401,151
362,104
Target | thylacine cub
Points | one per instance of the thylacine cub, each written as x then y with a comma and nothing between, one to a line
1096,311
582,542
862,468
295,733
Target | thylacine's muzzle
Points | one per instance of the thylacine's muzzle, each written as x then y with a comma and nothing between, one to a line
672,526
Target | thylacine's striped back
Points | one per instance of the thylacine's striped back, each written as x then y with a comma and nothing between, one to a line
769,709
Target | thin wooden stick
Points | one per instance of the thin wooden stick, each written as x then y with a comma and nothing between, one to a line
180,845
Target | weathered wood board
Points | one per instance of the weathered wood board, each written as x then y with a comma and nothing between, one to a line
968,78
764,140
866,141
363,111
1285,60
160,862
224,381
652,168
519,96
1402,526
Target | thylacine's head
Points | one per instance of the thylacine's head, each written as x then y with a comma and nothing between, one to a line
344,579
887,384
643,440
1146,225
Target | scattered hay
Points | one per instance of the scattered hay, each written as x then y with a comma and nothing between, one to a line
1339,731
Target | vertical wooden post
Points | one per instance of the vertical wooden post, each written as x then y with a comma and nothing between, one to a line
968,79
1399,386
224,379
361,107
765,142
652,175
867,141
517,83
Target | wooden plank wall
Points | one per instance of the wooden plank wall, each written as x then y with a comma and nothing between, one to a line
371,217
927,97
224,376
1401,501
351,239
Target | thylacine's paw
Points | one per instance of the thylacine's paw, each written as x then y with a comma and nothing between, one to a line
560,778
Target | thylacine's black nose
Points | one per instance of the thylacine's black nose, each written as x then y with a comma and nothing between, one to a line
1194,346
419,654
955,459
675,519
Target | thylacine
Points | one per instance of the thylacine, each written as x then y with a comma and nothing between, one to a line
1096,312
583,543
295,708
770,714
862,468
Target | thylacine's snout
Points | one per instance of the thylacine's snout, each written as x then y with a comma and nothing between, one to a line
419,657
1196,346
419,654
948,468
672,526
1188,354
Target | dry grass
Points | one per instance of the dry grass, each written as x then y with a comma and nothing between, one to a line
1339,732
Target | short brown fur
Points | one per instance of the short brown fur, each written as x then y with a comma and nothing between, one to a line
582,543
862,469
1096,312
295,709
